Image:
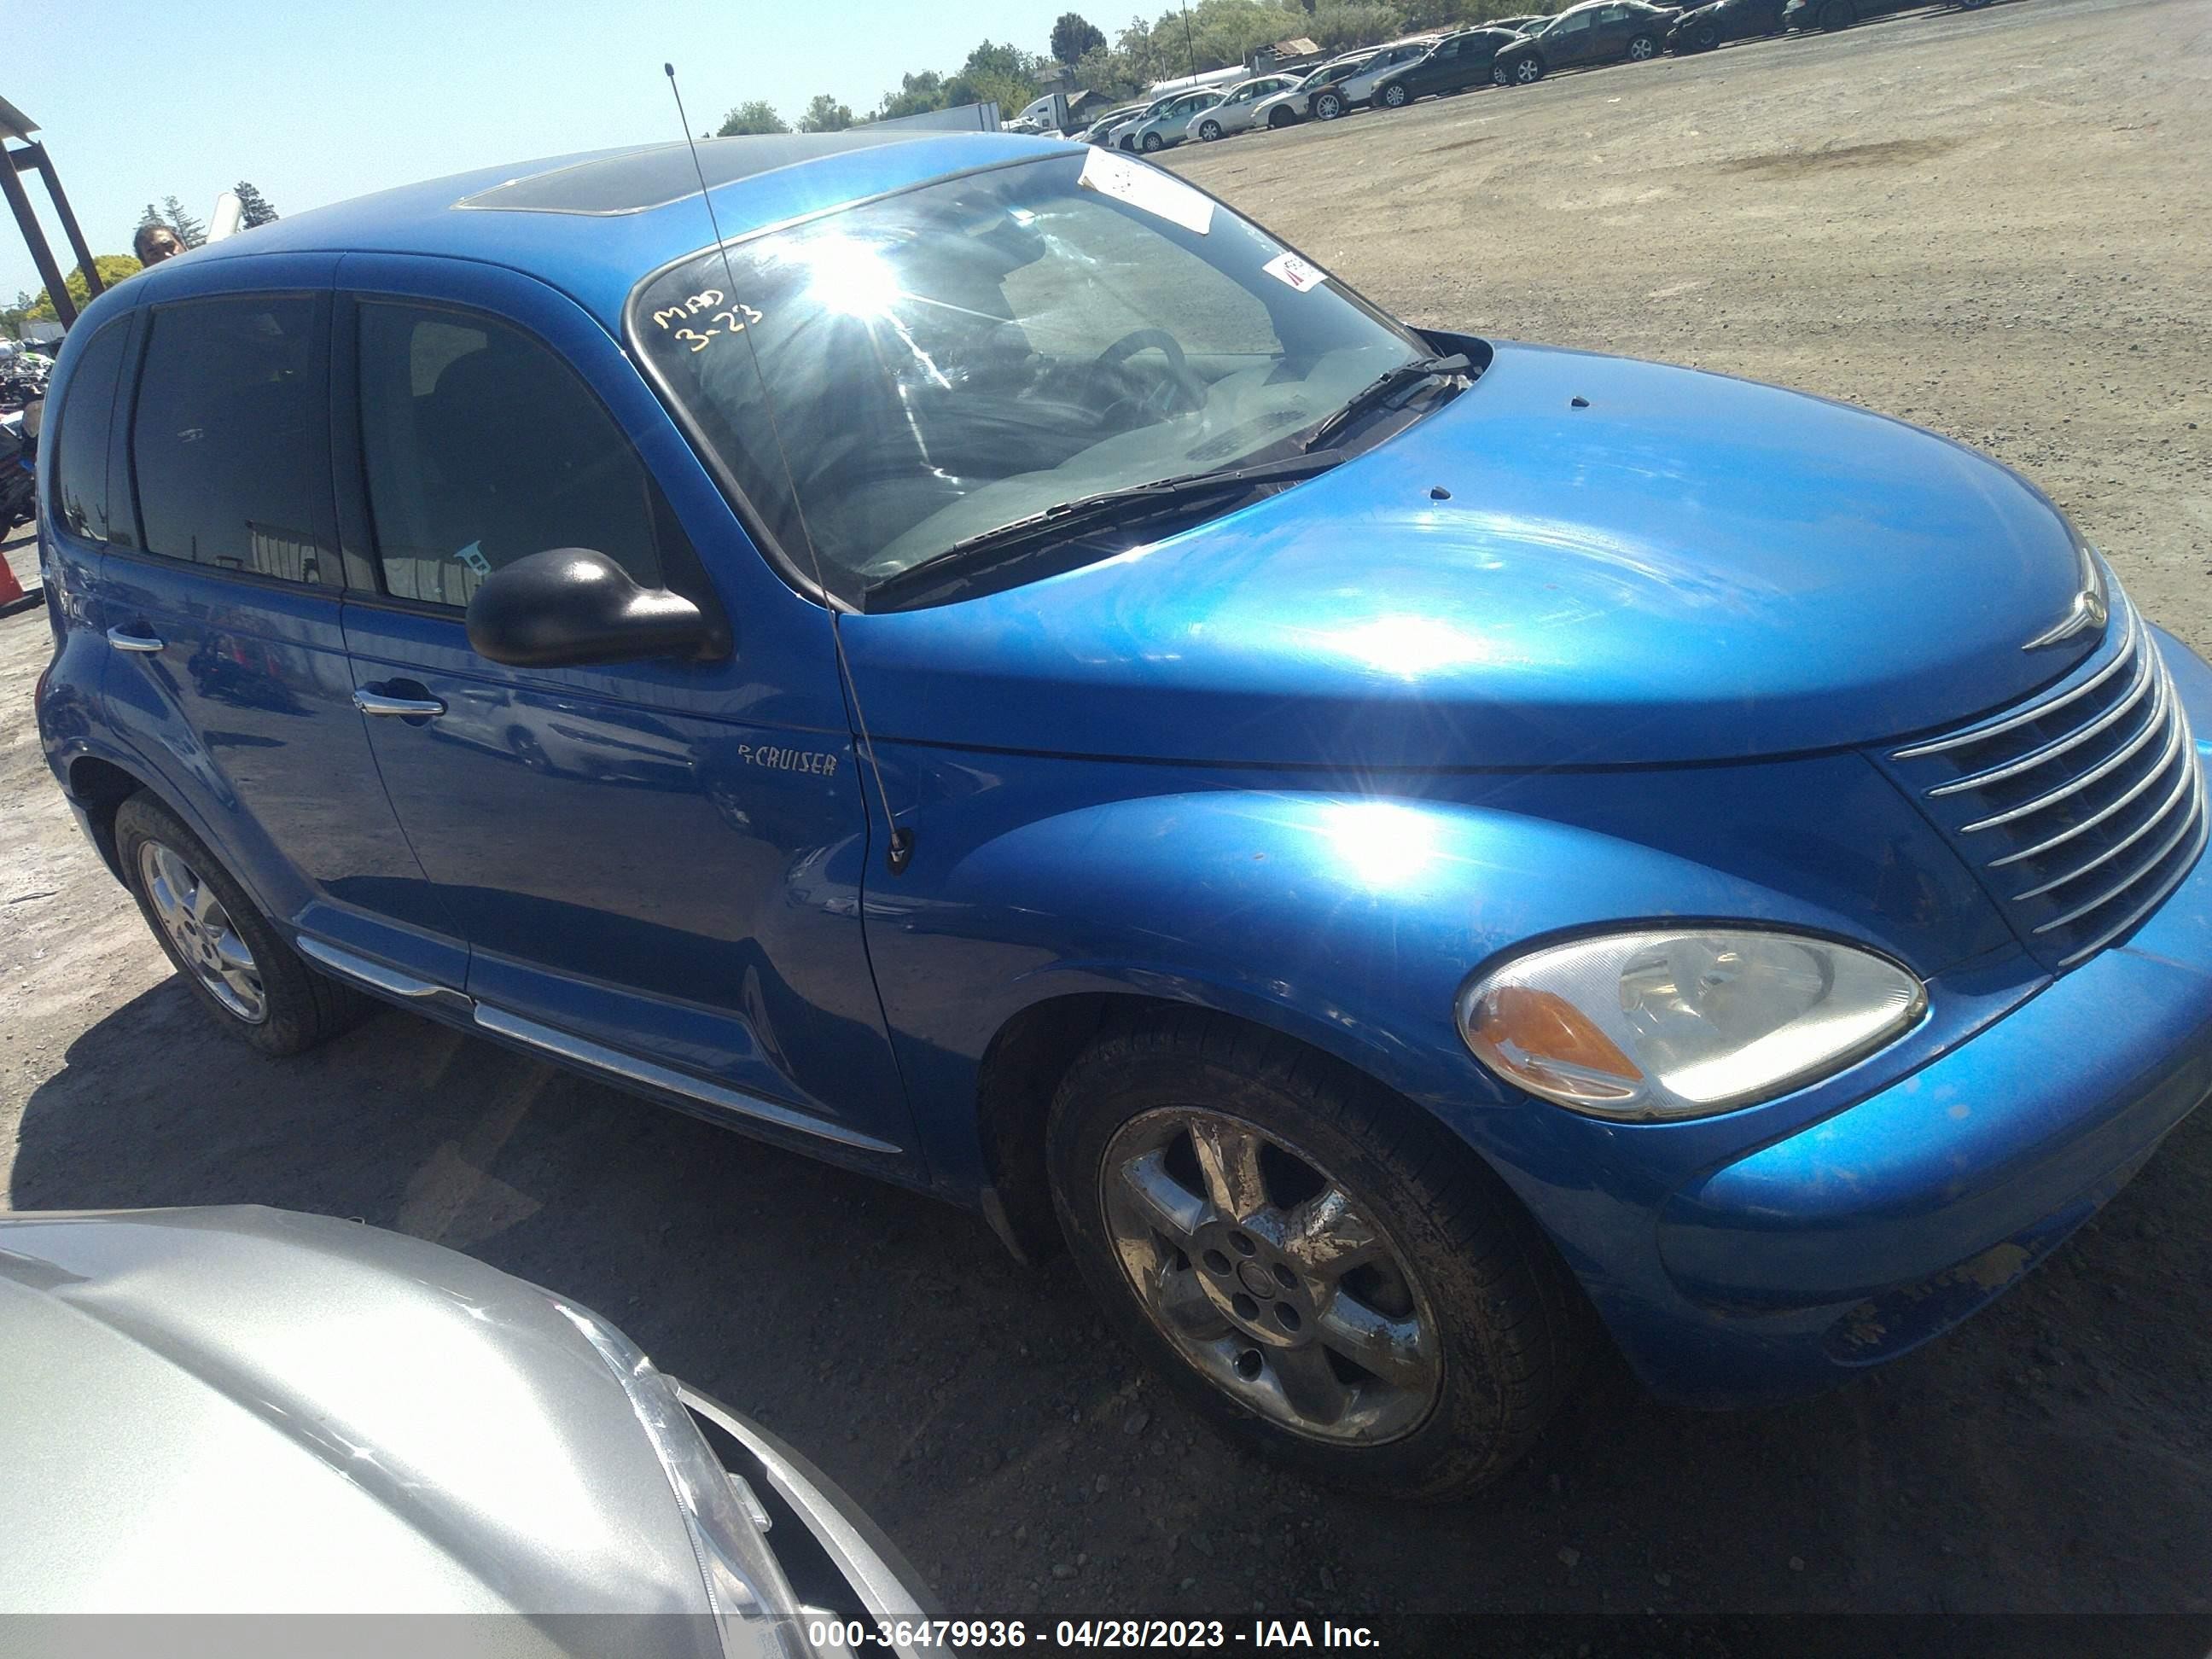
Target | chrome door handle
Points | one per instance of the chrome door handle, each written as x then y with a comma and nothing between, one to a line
122,641
375,702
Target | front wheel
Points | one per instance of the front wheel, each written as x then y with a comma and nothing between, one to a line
1708,37
1392,96
1641,48
1527,71
235,962
1329,106
1209,131
1278,118
1152,141
1324,1271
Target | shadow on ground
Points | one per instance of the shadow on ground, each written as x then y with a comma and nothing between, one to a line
2051,1456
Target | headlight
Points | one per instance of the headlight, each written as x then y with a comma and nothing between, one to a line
756,1614
1683,1022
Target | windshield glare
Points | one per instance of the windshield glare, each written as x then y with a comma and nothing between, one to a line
963,354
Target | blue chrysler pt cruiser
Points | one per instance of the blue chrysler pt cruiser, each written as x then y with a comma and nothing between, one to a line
963,655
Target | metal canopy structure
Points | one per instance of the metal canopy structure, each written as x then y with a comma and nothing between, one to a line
20,154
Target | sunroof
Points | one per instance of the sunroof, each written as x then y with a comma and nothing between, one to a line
634,180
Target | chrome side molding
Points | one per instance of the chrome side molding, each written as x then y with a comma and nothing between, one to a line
631,1069
597,1056
378,977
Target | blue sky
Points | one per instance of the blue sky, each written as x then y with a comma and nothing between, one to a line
317,102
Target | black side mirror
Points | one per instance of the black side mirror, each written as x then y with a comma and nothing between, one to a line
573,606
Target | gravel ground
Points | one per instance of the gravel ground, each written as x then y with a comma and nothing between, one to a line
1992,223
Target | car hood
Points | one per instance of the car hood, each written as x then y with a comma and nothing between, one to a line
1579,559
249,1411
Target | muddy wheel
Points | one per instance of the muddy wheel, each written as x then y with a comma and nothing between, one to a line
1323,1269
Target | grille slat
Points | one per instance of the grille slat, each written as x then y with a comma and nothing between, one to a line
2050,751
2180,791
1998,728
2083,807
2104,769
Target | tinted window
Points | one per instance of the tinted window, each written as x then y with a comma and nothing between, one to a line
482,447
86,419
230,445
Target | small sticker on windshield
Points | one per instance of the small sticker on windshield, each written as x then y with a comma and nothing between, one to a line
1300,274
1147,188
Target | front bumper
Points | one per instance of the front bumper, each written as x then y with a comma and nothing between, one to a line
1793,1264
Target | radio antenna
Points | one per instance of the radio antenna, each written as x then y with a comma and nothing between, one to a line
898,852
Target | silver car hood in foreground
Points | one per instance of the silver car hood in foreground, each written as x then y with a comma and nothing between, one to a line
251,1410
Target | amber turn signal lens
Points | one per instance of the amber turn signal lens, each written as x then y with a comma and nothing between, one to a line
1540,1036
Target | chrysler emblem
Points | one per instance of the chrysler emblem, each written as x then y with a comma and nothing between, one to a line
2085,615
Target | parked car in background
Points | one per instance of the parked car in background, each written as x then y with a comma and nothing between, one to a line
1395,848
1707,27
1599,32
1101,131
1518,25
247,1410
1166,122
1833,14
1288,108
1353,90
1239,108
1453,64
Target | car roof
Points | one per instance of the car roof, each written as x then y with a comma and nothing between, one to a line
591,225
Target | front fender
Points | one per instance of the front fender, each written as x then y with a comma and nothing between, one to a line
1349,918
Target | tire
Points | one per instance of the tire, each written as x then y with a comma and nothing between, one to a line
1527,71
1498,78
1487,1329
1280,118
1393,96
1837,15
1153,142
299,1007
1708,38
1642,48
1209,131
1329,106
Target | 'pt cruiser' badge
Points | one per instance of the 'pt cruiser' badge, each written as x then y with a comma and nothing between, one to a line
788,760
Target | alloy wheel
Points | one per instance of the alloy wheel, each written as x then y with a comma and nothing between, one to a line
1271,1277
1640,48
200,928
1527,71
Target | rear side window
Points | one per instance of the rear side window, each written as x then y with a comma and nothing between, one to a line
230,445
480,447
87,417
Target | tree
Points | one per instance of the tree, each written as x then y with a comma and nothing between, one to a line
255,208
112,267
758,116
1072,36
1003,74
917,94
190,231
825,115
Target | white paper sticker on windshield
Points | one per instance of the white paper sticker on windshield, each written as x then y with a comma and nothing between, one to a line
1288,268
1147,188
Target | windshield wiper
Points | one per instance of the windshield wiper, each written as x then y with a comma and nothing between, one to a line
1400,380
1124,505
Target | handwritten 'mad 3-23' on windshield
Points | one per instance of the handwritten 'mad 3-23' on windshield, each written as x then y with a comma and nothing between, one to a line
703,316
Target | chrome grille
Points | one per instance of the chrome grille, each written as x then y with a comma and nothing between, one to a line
2082,808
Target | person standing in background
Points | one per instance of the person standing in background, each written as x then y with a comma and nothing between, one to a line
154,243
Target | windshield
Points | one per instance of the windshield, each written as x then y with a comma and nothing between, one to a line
960,356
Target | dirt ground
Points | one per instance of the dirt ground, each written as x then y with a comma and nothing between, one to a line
1994,223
